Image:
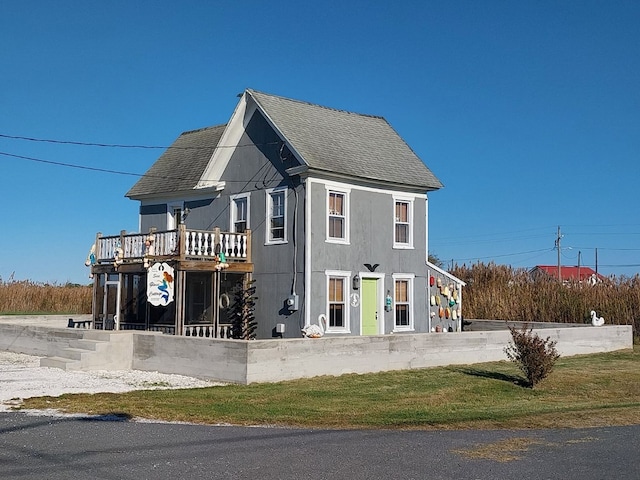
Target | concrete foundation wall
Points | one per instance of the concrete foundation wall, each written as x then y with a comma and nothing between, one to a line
243,362
222,360
35,340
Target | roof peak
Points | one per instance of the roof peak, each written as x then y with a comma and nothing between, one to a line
187,132
304,102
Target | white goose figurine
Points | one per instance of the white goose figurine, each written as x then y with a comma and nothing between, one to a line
315,331
595,320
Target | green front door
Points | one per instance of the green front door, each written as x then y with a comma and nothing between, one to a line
369,302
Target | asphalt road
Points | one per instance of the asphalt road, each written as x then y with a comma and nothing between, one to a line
63,448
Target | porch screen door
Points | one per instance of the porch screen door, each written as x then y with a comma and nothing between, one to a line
369,302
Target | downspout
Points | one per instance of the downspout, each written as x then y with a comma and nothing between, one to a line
307,252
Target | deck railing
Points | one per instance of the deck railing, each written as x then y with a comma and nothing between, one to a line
207,331
179,244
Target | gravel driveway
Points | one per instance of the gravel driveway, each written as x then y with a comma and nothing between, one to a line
21,376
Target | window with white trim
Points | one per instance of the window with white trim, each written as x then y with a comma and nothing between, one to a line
337,215
402,223
403,301
276,215
337,305
239,207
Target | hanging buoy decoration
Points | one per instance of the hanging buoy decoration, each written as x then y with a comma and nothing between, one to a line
118,254
432,281
222,259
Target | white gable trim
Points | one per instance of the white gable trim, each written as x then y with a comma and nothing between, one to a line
230,139
231,136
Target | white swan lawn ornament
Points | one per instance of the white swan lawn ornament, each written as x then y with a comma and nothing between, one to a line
315,331
595,321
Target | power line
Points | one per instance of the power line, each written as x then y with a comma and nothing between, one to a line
115,172
503,255
118,145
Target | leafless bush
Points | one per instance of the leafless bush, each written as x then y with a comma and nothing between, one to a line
534,355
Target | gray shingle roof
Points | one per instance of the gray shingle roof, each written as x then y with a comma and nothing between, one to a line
347,143
180,167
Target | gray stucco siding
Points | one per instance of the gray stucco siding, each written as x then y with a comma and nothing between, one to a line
153,216
371,231
253,169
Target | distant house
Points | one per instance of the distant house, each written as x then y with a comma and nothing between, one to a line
325,209
567,273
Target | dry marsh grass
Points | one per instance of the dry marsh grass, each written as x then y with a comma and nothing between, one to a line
504,293
27,297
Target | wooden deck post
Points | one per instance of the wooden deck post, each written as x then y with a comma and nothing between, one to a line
182,240
248,232
217,247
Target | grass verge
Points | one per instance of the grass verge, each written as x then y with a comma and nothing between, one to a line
583,391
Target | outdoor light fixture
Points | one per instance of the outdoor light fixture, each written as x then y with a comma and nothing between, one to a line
356,282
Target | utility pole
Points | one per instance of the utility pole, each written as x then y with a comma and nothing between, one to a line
596,261
558,247
579,281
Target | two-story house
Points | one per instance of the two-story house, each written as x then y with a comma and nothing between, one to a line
327,210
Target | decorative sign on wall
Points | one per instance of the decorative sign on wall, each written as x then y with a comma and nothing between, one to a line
160,285
355,300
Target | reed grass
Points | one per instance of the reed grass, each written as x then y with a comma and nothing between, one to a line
28,297
501,292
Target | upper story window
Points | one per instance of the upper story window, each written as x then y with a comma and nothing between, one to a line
276,215
403,223
337,215
403,301
239,207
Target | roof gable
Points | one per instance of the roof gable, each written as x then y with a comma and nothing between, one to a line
181,166
346,143
324,141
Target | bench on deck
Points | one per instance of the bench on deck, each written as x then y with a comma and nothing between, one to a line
79,323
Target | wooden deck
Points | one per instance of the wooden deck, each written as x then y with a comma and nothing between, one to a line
192,249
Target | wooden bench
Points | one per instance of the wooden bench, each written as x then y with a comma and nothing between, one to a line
79,323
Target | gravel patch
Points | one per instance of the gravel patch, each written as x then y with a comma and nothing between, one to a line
21,376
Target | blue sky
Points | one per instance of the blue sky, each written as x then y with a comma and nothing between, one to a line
528,112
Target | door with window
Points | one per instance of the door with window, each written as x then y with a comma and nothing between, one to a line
107,304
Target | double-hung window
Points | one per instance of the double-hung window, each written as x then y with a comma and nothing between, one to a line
402,223
337,215
403,301
337,306
276,215
239,207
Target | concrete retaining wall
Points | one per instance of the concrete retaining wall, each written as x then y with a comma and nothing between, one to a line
222,360
289,359
276,360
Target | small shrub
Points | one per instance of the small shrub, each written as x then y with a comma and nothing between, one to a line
535,356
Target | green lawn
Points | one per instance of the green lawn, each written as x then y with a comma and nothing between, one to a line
590,390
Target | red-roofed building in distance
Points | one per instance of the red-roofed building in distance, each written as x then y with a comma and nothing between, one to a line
580,274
